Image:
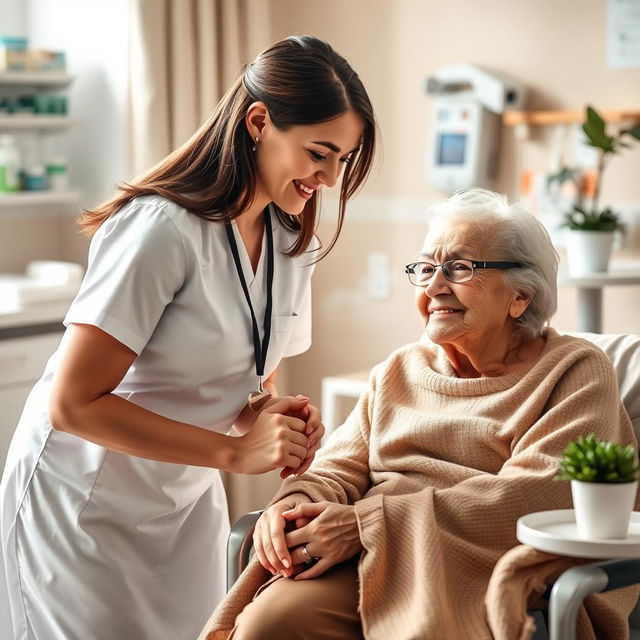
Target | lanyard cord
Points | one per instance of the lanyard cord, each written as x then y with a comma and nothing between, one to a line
260,351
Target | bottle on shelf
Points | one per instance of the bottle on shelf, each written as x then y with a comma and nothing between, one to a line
35,178
57,174
9,164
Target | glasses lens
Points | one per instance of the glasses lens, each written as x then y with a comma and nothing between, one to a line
420,272
458,270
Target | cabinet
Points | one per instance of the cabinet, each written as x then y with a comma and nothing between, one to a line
22,361
39,127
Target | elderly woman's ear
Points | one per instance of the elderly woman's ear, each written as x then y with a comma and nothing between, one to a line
519,304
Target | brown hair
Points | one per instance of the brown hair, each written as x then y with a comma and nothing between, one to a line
301,80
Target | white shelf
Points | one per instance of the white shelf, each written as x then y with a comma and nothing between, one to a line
620,273
37,199
30,122
32,78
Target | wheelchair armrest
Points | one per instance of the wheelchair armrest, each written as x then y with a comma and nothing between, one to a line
239,545
575,584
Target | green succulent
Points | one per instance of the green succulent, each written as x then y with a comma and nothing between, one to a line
591,460
582,220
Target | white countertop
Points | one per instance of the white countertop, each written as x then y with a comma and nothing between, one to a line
34,314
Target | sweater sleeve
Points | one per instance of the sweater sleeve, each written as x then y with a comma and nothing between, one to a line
462,531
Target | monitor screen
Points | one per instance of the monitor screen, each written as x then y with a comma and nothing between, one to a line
451,148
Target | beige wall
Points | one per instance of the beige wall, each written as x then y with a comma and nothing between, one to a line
558,48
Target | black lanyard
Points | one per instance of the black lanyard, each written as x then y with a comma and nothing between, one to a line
260,350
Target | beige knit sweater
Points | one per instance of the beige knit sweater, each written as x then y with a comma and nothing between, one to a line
439,469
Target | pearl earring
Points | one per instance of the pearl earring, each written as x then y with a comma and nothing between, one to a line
253,148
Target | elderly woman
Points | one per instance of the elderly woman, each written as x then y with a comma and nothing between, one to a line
396,528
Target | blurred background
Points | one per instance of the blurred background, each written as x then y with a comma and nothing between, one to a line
100,90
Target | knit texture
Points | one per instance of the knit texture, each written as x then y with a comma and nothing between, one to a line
520,578
440,468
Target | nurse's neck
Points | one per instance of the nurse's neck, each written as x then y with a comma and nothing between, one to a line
250,224
251,220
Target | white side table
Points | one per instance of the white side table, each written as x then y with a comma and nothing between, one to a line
590,291
556,532
349,385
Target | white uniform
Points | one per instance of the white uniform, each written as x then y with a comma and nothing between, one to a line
97,545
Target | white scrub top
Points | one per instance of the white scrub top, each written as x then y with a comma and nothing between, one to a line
98,545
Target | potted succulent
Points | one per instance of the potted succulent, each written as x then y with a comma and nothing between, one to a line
590,229
604,482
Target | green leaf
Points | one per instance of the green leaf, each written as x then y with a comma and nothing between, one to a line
634,131
565,174
594,129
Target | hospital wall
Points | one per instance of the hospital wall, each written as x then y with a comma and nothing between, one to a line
557,48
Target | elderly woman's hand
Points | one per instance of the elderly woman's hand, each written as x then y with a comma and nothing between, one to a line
269,535
331,536
314,432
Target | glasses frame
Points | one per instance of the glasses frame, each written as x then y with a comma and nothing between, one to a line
475,265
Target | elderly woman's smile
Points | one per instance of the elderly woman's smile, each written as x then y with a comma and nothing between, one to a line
466,298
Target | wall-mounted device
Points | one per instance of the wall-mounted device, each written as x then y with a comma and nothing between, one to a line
464,135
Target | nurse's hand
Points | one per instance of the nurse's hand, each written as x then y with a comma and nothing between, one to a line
277,439
314,431
269,535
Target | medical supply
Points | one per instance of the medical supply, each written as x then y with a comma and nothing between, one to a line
13,53
50,103
57,174
35,178
465,131
9,164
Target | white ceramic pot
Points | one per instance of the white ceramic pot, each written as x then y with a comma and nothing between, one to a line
588,251
603,510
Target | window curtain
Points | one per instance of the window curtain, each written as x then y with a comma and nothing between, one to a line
183,55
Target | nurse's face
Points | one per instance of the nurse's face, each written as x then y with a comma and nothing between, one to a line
294,164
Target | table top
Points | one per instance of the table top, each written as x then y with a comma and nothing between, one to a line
556,532
621,272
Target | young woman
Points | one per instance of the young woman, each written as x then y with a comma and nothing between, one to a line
112,511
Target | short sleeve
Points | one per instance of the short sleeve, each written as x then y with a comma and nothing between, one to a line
136,265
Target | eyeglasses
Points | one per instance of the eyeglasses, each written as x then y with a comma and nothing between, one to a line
453,270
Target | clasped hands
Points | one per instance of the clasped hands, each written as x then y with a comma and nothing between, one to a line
327,530
286,433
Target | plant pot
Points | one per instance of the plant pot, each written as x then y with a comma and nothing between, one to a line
588,251
603,510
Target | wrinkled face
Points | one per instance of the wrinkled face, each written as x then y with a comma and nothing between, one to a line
295,163
482,308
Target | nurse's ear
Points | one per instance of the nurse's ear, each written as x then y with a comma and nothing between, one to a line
257,119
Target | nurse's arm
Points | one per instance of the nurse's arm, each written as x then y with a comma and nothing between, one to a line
82,403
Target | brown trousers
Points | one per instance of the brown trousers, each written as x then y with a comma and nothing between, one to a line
325,608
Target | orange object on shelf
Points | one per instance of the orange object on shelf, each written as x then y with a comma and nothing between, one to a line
589,182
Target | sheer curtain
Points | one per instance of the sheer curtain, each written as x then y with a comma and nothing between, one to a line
183,54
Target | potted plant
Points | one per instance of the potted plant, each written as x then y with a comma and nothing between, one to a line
604,482
590,229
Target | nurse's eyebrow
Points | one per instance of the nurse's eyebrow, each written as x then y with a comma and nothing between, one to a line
331,146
